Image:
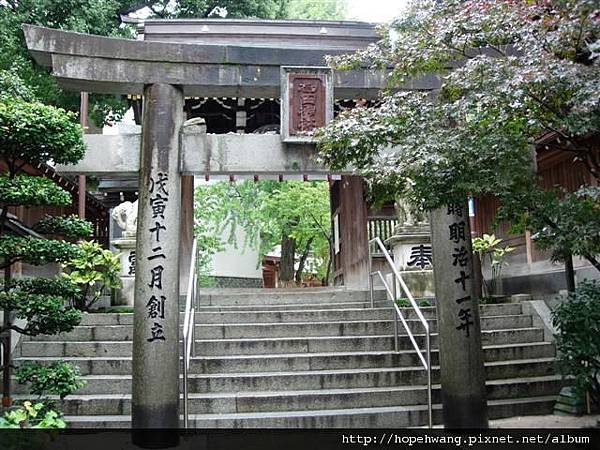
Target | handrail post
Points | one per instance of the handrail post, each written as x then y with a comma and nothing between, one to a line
194,293
189,320
185,384
370,267
429,401
396,337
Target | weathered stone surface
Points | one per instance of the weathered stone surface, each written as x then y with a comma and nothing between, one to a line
461,356
90,63
201,154
155,392
319,34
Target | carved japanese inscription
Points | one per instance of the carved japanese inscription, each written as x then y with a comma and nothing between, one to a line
307,103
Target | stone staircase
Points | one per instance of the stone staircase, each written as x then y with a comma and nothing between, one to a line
310,358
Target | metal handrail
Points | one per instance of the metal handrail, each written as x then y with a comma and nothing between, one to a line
189,325
425,360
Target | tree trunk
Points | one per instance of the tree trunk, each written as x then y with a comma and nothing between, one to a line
570,273
286,267
330,262
6,344
302,261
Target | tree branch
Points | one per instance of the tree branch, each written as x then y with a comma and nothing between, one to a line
17,329
593,261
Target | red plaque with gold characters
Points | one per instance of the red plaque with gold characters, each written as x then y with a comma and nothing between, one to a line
307,100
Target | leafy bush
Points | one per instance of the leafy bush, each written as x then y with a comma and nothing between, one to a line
71,227
489,246
53,286
32,415
32,191
403,302
45,313
578,339
424,303
36,251
12,85
59,378
37,133
93,270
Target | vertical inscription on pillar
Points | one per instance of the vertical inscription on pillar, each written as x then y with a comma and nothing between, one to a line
159,196
307,102
461,357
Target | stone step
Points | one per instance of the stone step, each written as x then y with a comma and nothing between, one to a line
298,315
300,361
254,346
250,402
340,328
378,417
258,297
317,379
293,307
263,330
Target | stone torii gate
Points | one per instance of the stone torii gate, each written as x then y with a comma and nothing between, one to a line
164,73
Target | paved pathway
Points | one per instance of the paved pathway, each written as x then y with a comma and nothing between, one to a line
547,421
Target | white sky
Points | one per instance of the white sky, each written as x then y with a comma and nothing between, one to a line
374,10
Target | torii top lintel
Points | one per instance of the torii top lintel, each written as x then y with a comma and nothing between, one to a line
84,62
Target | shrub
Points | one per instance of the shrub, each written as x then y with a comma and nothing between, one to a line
577,320
71,227
93,270
32,415
59,378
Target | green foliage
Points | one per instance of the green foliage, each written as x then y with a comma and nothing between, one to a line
44,286
36,251
265,9
37,133
577,320
58,378
403,302
424,303
101,17
265,211
12,86
32,415
93,270
474,136
45,313
88,16
71,227
564,223
488,247
28,190
317,9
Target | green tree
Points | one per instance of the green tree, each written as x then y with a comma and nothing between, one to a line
35,133
510,72
293,215
317,9
101,17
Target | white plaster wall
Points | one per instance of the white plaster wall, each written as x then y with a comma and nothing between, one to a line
238,262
